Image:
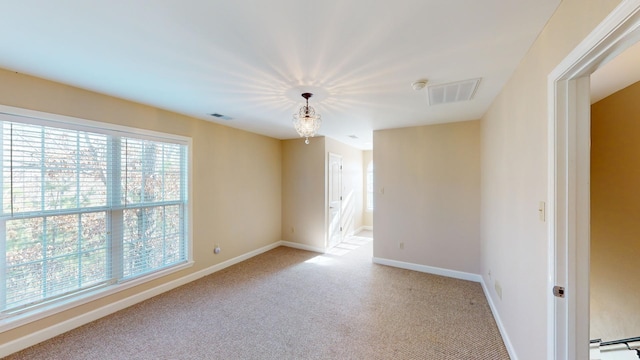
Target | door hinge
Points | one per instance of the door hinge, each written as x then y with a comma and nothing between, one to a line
340,228
558,291
340,198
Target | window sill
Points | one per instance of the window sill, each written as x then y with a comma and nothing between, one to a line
14,321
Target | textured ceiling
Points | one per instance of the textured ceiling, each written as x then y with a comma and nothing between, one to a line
251,59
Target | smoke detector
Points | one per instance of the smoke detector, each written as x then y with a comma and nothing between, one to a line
419,84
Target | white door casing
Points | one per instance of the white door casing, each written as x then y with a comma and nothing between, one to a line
334,201
569,160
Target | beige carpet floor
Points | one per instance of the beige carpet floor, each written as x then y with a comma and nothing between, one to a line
293,304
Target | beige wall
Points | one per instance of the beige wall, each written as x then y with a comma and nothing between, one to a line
303,192
514,179
615,215
514,244
236,188
431,199
304,189
367,216
352,175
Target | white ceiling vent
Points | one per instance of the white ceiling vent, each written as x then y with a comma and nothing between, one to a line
452,92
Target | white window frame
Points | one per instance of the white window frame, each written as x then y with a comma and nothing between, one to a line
89,295
369,206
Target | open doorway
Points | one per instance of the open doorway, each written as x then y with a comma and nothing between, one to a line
335,230
348,215
569,179
368,186
614,279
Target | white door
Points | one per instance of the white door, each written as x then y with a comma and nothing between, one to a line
334,200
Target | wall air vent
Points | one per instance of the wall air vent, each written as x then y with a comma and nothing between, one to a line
452,92
220,116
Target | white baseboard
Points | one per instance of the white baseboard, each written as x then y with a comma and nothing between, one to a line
496,317
62,327
361,228
429,269
70,324
302,246
457,275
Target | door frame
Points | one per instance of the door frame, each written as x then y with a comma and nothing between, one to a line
568,178
328,205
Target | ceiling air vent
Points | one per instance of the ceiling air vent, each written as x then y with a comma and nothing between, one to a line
452,92
220,116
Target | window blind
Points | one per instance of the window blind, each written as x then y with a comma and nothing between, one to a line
83,208
152,205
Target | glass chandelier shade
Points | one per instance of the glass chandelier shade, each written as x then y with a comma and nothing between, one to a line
306,121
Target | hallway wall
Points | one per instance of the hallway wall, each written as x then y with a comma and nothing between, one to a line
427,195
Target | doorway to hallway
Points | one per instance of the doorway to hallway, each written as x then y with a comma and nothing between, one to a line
352,242
334,232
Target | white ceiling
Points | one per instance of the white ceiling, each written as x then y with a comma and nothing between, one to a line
251,59
617,74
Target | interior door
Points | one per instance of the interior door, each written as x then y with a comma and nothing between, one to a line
334,232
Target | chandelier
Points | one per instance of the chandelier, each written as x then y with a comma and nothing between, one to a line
306,121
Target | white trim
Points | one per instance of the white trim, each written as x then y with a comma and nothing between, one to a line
328,188
302,246
457,275
429,269
613,352
62,327
56,307
92,125
594,351
70,324
53,307
568,178
496,316
365,227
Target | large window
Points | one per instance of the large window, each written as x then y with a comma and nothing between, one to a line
85,207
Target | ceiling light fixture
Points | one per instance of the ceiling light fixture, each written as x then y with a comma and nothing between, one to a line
306,121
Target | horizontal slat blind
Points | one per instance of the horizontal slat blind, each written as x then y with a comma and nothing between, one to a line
151,193
49,169
54,255
82,209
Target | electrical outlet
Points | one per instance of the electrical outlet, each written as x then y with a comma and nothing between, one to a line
498,289
401,245
293,230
